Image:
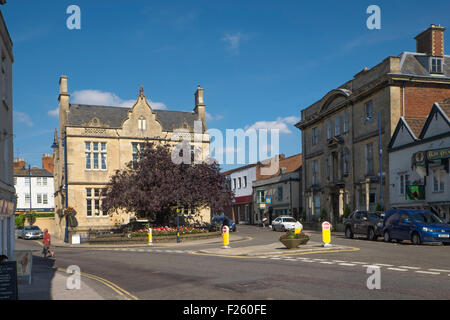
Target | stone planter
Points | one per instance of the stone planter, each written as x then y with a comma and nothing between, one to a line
294,243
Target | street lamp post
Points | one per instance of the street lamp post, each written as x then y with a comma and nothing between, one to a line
178,219
381,161
29,181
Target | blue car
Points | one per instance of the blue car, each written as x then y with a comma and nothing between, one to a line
221,220
419,226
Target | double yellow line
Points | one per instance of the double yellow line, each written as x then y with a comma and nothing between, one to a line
125,294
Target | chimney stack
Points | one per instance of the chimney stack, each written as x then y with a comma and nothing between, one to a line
19,163
47,162
200,104
431,41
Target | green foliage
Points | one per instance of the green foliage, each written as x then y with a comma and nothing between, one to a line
20,221
303,216
378,207
323,215
291,235
30,217
346,212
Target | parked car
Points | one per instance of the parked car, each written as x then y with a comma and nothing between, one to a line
29,232
368,223
283,223
419,226
218,221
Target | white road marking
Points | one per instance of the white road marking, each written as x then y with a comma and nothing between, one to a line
347,264
439,270
327,262
397,269
412,268
275,258
428,272
342,261
291,259
383,265
358,262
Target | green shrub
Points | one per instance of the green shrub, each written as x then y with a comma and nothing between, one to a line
303,216
323,215
20,221
378,207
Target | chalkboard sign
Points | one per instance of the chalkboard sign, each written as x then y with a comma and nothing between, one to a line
8,280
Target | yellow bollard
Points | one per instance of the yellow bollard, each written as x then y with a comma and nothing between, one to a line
298,228
150,238
326,234
226,237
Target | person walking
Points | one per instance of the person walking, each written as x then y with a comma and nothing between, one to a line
47,244
264,219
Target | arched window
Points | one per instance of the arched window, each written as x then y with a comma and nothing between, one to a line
142,123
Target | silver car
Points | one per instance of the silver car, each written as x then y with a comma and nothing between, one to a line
29,232
283,223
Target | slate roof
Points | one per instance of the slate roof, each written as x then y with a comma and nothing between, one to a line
35,172
417,64
113,117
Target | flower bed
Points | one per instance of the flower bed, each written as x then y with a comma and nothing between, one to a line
168,231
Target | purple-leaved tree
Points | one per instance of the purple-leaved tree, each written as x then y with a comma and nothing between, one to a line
151,186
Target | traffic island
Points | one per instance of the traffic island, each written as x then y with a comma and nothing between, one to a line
275,249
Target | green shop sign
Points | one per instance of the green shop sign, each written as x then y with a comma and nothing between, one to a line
415,193
438,154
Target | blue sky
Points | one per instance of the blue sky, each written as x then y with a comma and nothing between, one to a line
260,62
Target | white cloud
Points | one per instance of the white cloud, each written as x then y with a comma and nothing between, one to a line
54,112
102,98
281,124
23,117
210,117
233,41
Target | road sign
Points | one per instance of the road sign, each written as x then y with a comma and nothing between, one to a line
326,233
225,237
268,199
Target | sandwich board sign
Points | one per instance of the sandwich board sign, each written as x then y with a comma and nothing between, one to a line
8,281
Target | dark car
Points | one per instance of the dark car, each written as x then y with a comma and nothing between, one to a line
416,225
218,221
368,223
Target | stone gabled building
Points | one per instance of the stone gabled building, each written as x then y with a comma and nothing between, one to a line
340,134
95,141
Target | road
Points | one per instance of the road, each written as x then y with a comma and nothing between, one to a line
407,271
